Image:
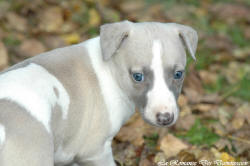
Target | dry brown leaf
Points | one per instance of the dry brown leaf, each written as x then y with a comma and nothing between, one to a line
187,155
233,72
231,12
132,6
244,111
193,82
223,143
192,95
185,122
4,7
3,56
219,129
204,107
211,98
133,132
30,47
224,116
125,153
237,122
172,145
208,77
53,42
160,156
109,14
182,100
145,162
242,53
17,22
51,19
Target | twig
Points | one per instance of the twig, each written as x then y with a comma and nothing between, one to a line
229,93
238,139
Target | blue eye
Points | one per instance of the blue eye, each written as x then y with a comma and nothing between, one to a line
178,75
138,77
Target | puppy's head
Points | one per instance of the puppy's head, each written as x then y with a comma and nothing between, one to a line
148,61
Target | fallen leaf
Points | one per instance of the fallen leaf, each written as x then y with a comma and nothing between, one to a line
208,77
185,122
17,22
94,18
240,115
145,162
109,14
192,95
3,56
132,132
247,33
159,157
179,12
213,98
204,107
182,100
52,41
132,6
72,38
237,122
4,7
241,53
171,145
125,153
30,47
51,19
193,81
225,157
186,156
220,43
219,129
224,116
223,143
231,12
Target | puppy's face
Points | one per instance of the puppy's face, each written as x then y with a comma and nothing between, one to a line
150,67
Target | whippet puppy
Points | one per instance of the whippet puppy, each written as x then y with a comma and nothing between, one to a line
65,106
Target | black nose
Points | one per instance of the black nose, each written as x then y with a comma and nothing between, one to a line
164,118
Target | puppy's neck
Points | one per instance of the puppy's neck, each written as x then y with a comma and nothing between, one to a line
118,104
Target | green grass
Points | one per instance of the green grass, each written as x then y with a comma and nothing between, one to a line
199,134
240,89
204,59
218,86
237,36
11,41
151,140
243,88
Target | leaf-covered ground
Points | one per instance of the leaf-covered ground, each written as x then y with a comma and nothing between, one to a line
214,122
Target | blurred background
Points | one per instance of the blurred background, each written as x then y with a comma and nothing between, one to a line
214,121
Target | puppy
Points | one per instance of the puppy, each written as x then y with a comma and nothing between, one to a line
65,106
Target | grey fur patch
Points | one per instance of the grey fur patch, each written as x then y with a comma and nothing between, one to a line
56,92
140,94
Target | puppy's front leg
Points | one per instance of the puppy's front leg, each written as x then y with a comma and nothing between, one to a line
103,158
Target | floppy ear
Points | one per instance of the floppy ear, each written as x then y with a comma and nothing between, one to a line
189,38
112,36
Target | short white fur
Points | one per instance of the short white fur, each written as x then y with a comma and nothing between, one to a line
160,96
2,134
118,105
32,87
61,156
